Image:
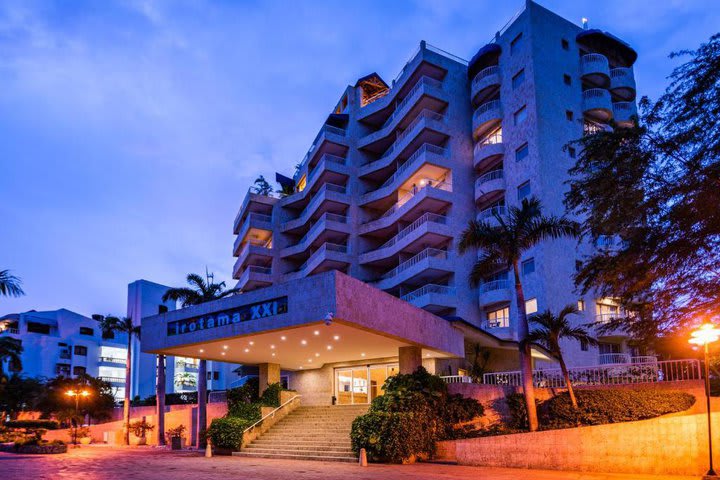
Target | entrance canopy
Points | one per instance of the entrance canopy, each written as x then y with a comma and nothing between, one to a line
302,324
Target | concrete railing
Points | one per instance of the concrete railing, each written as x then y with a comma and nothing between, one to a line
427,253
492,213
428,289
494,285
269,419
457,379
425,218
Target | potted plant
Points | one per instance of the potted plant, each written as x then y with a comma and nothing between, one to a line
177,440
140,429
83,435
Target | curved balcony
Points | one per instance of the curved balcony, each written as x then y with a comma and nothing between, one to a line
490,186
597,104
493,215
496,291
329,140
622,83
595,69
251,252
486,82
625,113
328,225
253,203
327,198
428,127
425,266
488,152
330,169
253,221
486,116
329,256
431,228
254,277
433,298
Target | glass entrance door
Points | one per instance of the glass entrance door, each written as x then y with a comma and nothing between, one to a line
358,385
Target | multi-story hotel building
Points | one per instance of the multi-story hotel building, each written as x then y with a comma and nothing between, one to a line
400,167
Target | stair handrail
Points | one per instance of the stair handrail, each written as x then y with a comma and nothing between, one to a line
271,414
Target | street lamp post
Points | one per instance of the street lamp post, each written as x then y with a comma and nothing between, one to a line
77,394
705,335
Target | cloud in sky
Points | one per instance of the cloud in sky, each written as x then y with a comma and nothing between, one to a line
132,129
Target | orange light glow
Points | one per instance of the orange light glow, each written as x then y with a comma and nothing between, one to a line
706,333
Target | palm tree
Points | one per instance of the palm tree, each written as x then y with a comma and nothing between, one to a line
554,328
109,326
201,290
10,350
501,247
10,285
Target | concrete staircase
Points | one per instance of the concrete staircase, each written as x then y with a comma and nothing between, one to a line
309,433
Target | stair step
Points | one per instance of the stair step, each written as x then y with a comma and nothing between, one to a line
301,443
325,458
293,451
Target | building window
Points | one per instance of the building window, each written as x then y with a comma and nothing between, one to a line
572,152
523,191
581,305
87,331
521,152
80,350
515,43
584,346
567,79
565,44
520,116
531,306
34,327
62,369
78,370
499,318
213,375
518,79
569,115
528,266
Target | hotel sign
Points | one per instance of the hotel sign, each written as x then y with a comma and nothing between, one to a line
231,316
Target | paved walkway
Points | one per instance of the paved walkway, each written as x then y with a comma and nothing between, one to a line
101,462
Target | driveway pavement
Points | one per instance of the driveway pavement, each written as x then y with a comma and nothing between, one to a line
103,462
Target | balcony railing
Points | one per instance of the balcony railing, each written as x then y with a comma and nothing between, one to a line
484,73
424,115
428,289
425,183
324,129
425,218
12,331
314,203
494,285
500,322
113,379
492,213
320,224
486,107
425,254
326,247
246,246
424,81
606,317
492,139
113,360
595,93
490,176
425,148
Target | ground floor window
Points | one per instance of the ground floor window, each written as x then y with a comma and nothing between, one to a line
358,385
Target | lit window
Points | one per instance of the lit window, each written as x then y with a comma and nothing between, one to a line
531,306
518,79
581,305
521,152
528,266
499,318
520,116
515,43
523,191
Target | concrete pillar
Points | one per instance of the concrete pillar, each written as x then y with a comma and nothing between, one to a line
269,374
410,359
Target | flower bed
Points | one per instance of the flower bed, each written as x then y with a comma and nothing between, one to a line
42,449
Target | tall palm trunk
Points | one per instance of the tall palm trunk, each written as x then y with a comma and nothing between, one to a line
160,399
202,403
525,354
126,403
568,383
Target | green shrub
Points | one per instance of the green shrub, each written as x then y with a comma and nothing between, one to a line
140,427
392,437
245,411
46,424
518,411
227,432
271,395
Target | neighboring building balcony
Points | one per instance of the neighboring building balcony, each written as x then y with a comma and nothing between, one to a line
624,359
112,361
324,227
427,154
433,298
9,331
486,116
329,256
490,187
622,83
253,277
496,291
493,215
426,266
427,94
431,197
597,104
253,203
253,221
486,81
488,151
428,230
428,127
497,323
114,381
330,169
607,317
330,140
595,69
187,366
252,253
625,113
329,198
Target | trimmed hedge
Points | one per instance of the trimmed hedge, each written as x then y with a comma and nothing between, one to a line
31,424
227,432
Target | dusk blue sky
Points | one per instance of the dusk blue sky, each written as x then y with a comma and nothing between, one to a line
131,130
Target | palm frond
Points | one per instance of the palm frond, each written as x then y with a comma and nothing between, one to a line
480,235
486,266
10,284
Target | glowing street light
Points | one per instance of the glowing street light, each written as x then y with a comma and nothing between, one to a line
77,394
705,335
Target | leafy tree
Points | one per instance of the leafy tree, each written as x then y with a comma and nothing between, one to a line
55,401
554,328
200,291
10,285
18,394
501,247
262,187
111,325
654,187
10,351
